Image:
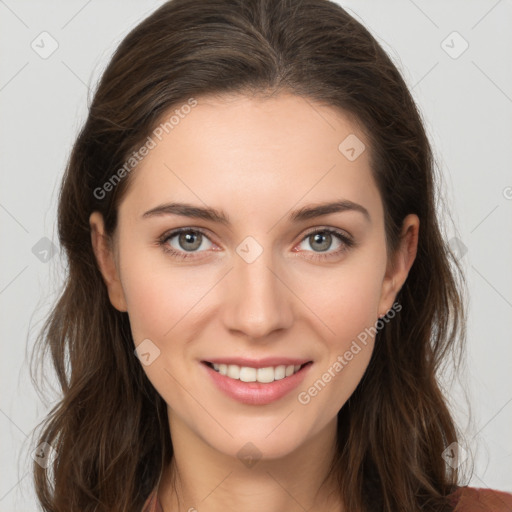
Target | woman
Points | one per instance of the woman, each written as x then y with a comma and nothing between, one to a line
211,357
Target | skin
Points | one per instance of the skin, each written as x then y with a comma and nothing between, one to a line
257,160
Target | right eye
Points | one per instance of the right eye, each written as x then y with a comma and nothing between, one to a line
184,242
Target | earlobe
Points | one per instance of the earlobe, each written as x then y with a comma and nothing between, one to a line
398,269
106,262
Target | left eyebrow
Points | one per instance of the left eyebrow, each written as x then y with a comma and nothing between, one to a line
310,212
213,215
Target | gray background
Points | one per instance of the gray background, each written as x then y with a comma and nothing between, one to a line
466,101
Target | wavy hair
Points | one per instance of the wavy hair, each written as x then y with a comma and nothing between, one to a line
110,426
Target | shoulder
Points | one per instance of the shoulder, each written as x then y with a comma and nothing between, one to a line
465,499
472,499
152,504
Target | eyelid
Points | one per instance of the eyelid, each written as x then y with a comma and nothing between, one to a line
328,229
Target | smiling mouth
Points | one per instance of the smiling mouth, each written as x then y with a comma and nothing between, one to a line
262,375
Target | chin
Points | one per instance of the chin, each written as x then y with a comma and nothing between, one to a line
266,438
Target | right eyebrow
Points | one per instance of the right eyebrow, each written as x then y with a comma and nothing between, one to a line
188,210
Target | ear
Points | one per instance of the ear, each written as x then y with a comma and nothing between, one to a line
105,258
398,269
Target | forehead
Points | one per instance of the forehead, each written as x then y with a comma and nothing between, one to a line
254,153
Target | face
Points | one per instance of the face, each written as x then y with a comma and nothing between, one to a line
246,279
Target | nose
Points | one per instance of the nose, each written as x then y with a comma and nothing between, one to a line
257,298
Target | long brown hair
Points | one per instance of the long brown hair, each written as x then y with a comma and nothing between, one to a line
110,427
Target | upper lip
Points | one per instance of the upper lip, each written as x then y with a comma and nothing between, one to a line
258,363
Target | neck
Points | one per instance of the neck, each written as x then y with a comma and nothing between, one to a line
201,478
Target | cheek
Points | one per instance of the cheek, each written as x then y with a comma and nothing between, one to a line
162,302
350,316
159,296
346,298
347,305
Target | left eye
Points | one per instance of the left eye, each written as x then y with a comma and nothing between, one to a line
322,240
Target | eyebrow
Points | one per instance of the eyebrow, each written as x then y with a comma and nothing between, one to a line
218,216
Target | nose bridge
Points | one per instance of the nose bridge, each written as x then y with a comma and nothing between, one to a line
259,302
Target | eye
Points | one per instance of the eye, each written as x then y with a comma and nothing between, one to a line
185,240
184,243
321,240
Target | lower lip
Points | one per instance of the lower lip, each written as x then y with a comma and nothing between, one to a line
257,393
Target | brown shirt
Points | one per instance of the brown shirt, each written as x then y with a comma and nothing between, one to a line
466,499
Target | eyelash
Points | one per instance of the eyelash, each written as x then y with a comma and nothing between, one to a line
344,239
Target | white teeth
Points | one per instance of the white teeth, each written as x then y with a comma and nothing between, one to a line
263,375
280,372
233,371
247,374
